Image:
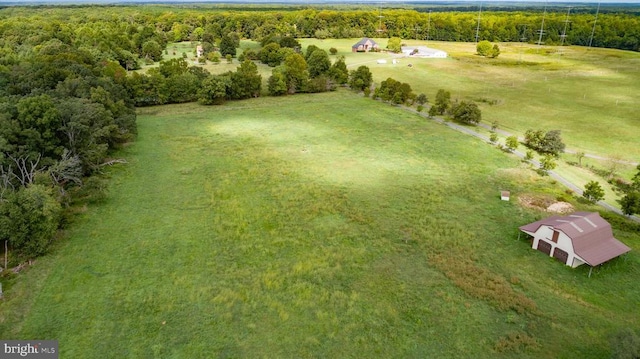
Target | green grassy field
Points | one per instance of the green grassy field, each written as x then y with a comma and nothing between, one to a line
589,94
310,226
583,92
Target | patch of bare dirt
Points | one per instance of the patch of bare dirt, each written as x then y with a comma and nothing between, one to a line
561,207
545,204
540,203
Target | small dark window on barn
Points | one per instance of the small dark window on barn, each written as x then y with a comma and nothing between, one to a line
555,236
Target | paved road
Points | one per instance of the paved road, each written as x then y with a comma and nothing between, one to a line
567,150
520,154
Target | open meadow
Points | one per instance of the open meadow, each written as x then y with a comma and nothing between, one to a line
584,92
325,225
589,94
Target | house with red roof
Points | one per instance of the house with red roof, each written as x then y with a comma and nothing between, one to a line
576,239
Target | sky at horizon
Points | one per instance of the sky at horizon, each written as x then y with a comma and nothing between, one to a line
314,1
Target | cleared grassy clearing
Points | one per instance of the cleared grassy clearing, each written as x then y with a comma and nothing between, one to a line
315,226
583,92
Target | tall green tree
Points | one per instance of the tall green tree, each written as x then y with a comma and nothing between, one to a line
270,55
339,72
394,91
361,78
442,103
290,42
545,143
310,49
318,63
173,67
277,83
29,218
246,82
227,46
295,72
466,112
394,44
593,192
36,129
152,50
630,202
214,90
512,143
547,163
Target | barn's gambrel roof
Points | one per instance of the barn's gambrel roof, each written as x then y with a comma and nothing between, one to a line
590,235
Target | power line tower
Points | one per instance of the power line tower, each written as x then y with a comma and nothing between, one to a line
523,38
380,30
564,32
478,27
594,25
428,25
541,31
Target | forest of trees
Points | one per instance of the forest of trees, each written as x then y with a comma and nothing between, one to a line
68,95
124,33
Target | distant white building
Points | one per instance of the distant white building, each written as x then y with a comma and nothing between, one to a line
423,51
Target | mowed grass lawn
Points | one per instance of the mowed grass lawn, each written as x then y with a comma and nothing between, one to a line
325,226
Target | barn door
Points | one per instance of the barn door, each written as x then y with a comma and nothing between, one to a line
560,255
544,247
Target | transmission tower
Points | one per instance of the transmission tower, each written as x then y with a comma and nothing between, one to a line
564,32
428,25
541,31
478,27
594,25
380,31
523,38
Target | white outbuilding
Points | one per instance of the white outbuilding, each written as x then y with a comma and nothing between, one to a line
424,52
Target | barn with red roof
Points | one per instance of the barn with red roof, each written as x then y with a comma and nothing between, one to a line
576,239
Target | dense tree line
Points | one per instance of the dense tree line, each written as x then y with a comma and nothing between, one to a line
63,108
125,34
